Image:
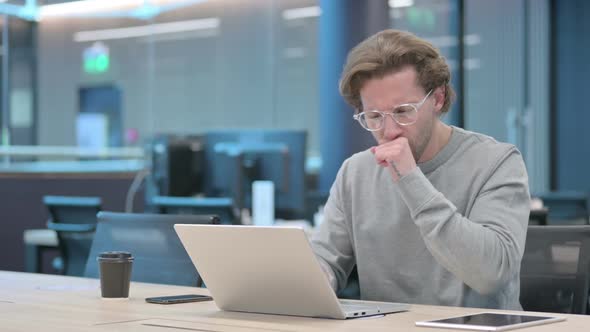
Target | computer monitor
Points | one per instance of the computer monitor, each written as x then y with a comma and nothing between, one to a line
176,165
236,158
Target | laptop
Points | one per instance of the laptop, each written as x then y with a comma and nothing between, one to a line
270,270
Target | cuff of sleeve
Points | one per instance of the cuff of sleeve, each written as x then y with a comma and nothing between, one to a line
329,274
416,190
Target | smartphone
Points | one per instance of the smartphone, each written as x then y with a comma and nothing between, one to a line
178,299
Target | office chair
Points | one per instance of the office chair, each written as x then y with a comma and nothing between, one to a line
313,201
566,207
538,217
223,207
159,256
555,269
73,218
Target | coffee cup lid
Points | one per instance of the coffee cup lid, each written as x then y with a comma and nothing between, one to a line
118,255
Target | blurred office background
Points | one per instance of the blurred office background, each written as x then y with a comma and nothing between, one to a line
101,98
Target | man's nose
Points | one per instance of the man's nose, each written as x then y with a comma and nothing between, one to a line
391,129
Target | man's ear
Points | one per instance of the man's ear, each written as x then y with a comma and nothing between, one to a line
439,98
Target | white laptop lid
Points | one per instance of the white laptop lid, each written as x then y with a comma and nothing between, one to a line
260,269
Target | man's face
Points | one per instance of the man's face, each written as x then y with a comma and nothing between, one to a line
383,94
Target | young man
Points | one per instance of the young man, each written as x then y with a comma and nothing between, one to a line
433,214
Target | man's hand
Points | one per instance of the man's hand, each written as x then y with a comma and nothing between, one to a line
396,156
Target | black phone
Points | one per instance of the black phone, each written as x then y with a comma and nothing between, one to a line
178,299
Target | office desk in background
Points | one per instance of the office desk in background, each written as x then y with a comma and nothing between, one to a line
23,185
58,303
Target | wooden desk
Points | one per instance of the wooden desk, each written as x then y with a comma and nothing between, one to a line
57,303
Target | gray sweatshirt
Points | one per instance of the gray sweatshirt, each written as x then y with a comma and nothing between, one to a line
451,232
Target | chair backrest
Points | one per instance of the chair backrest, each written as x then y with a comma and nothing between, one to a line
538,217
313,200
566,207
223,207
555,269
159,256
74,220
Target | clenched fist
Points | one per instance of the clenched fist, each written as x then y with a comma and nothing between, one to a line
396,155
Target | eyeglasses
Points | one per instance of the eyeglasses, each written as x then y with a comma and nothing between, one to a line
404,115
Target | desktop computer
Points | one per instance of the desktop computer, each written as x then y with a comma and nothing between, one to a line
176,165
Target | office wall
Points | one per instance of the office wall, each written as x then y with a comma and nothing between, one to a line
19,102
255,70
507,78
572,69
260,70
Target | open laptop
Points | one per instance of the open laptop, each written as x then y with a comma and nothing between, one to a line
270,270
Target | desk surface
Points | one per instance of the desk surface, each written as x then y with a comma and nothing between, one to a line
56,303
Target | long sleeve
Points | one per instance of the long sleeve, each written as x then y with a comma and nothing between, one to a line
484,247
332,242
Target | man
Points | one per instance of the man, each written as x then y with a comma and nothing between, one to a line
433,214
